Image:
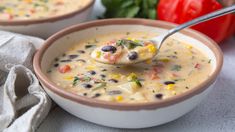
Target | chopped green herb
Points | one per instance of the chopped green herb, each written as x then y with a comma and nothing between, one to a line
86,78
89,46
100,85
176,68
137,82
180,79
128,43
75,80
209,61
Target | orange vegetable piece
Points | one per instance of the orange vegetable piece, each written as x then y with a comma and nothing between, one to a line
64,69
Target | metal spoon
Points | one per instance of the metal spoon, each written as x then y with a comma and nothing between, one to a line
159,40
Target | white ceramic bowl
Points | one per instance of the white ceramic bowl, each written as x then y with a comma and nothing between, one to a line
123,115
47,26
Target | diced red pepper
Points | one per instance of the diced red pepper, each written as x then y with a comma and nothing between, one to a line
64,69
197,66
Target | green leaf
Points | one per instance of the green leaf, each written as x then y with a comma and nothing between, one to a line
99,86
75,80
130,8
176,68
152,13
128,43
132,11
138,82
127,3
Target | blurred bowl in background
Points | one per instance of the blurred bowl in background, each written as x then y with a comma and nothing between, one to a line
47,26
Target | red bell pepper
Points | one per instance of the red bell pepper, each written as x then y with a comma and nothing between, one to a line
181,11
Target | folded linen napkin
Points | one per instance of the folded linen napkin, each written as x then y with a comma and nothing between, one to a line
29,104
23,103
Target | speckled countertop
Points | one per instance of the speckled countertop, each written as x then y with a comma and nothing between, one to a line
215,114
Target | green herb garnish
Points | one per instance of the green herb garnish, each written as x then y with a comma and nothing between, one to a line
75,80
86,78
100,85
209,61
89,46
128,43
176,68
137,81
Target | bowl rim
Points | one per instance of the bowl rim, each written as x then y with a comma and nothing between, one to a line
47,19
127,106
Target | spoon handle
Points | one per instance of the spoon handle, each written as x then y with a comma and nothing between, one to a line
207,17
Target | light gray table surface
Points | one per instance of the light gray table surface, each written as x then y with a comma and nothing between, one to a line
215,114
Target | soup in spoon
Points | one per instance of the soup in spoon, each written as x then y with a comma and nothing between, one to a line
124,51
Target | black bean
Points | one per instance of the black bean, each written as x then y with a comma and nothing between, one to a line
109,48
81,60
84,94
169,82
113,80
65,60
159,96
73,56
81,51
87,85
102,75
96,95
114,92
133,55
56,65
92,72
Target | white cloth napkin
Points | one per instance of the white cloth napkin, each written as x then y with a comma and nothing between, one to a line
23,102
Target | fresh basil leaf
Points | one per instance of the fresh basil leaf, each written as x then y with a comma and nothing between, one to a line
127,3
152,13
132,11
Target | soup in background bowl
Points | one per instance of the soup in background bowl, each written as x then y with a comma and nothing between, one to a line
42,18
137,96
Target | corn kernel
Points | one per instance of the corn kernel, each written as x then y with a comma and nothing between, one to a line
28,1
116,76
98,54
90,67
148,61
131,76
151,48
68,78
189,47
164,60
119,98
170,87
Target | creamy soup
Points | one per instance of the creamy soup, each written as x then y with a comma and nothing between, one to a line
177,68
36,9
